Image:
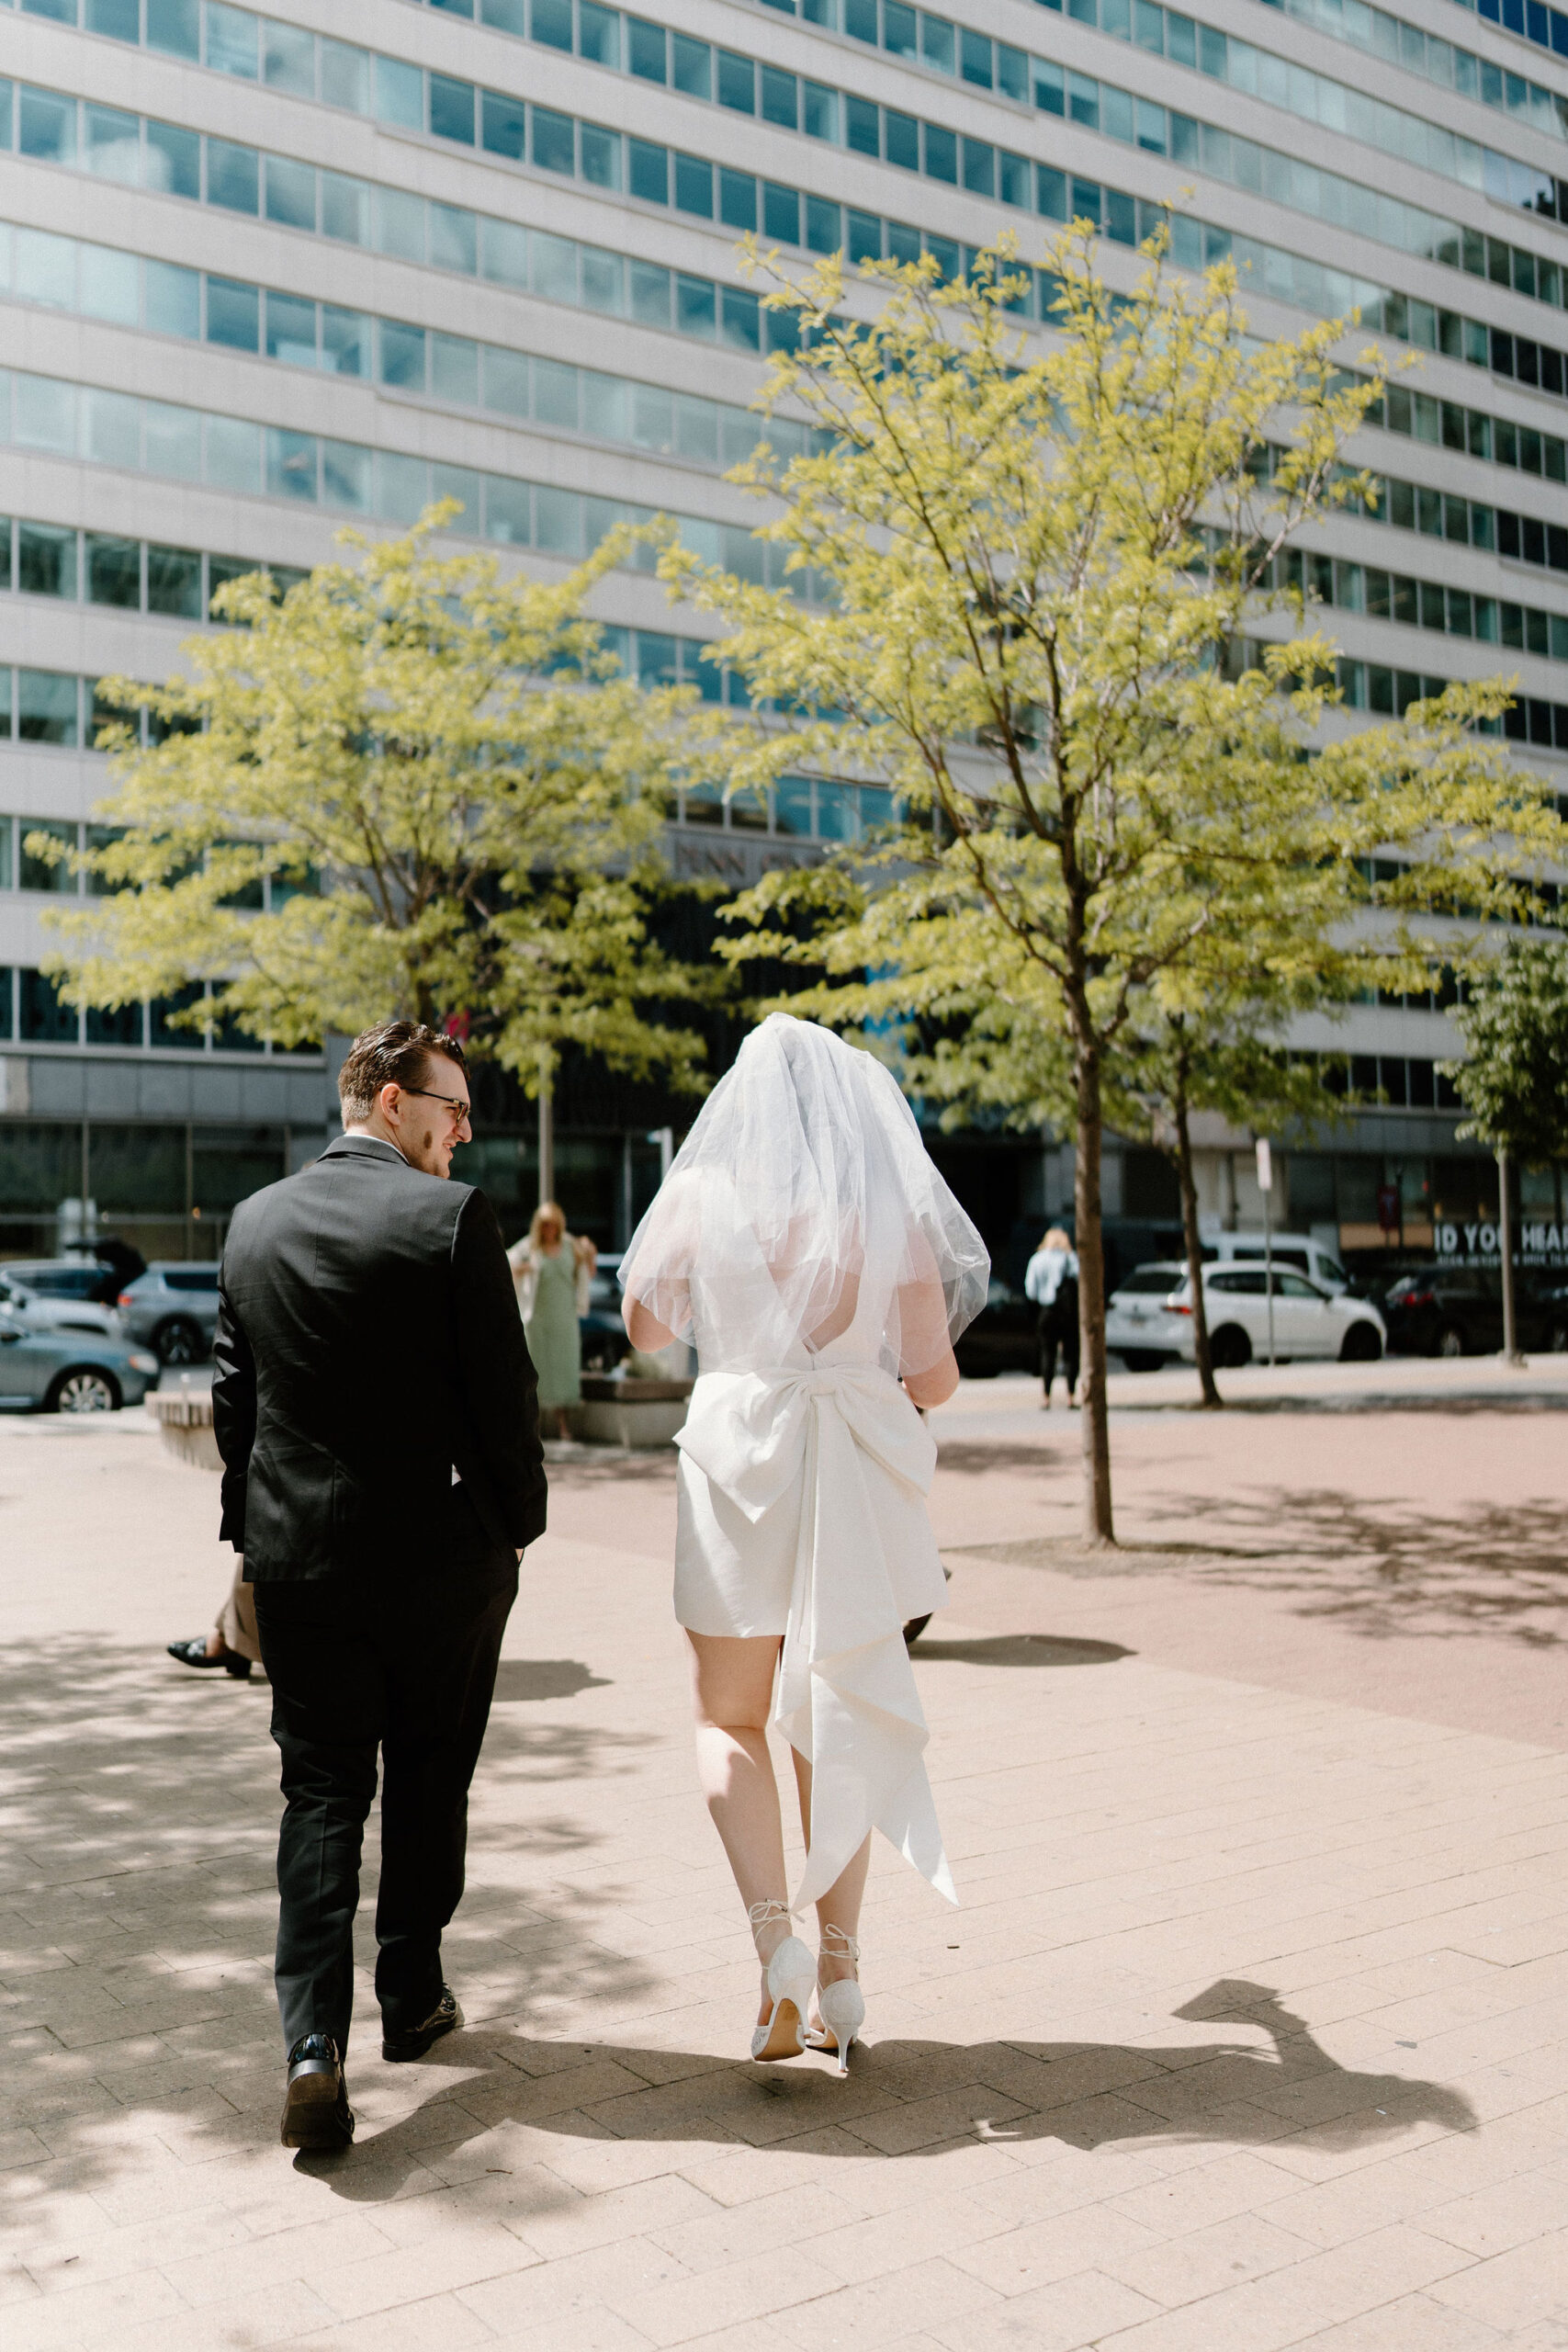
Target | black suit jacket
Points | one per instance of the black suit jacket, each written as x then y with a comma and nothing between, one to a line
369,1344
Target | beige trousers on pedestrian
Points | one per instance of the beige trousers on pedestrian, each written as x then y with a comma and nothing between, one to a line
237,1618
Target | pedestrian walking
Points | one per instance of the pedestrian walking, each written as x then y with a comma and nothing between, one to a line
553,1271
233,1643
808,1249
374,1405
1051,1280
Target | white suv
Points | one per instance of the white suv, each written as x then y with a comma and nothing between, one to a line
1149,1320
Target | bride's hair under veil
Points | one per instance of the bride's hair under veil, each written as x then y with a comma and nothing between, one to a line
802,1206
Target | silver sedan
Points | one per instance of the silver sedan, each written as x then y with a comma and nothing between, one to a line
43,1366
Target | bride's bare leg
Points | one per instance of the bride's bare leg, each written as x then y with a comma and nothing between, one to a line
840,1907
732,1689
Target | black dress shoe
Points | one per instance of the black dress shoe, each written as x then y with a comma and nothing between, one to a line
197,1654
316,2112
413,2040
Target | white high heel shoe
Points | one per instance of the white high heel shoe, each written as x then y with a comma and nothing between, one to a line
792,1980
840,2004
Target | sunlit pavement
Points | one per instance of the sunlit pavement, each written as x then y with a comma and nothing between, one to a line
1249,2031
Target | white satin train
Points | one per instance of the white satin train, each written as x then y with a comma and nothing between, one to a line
846,1693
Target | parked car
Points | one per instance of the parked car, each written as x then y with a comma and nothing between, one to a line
1458,1311
45,1366
1314,1258
1149,1320
1002,1338
1137,1314
80,1278
173,1307
61,1313
604,1340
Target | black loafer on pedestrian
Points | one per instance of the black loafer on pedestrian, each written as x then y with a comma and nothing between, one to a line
316,2112
415,2040
196,1653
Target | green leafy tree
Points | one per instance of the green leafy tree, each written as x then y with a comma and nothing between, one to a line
1514,1079
455,797
1039,565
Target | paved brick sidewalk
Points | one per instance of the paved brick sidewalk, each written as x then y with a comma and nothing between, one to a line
1250,2032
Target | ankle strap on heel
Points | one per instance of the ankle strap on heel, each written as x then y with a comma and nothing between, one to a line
837,1943
762,1915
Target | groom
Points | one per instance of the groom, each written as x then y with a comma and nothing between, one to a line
375,1406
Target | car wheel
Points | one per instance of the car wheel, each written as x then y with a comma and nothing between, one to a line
83,1389
1142,1359
1229,1348
179,1340
1450,1341
1361,1345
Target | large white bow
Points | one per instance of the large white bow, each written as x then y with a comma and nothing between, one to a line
846,1695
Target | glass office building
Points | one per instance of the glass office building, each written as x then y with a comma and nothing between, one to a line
263,273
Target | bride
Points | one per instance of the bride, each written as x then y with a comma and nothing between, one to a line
806,1246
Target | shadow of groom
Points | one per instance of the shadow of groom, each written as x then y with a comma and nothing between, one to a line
904,2098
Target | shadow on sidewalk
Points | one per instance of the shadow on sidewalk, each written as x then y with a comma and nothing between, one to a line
906,2099
1021,1649
1397,1567
139,1907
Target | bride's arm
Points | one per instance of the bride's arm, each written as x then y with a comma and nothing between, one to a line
923,1341
935,1386
645,1331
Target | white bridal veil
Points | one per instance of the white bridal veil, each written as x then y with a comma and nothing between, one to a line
804,1202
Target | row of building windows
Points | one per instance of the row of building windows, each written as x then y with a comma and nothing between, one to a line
1532,19
1423,603
133,575
287,58
33,1014
1397,1081
399,93
628,44
126,289
44,414
99,281
144,152
1393,39
889,23
1388,694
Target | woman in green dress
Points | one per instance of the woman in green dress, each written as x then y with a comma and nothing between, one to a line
552,1270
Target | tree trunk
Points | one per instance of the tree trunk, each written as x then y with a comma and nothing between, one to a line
1185,1177
1098,1525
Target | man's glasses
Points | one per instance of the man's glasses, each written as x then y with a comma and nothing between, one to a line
452,1102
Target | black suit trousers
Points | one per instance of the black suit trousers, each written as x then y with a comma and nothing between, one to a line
359,1667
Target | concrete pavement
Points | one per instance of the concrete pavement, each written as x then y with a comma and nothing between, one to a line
1249,2032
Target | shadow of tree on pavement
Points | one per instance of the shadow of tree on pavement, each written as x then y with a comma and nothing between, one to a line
1399,1566
903,2097
137,1903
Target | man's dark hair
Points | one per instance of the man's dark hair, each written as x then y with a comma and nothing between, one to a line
395,1053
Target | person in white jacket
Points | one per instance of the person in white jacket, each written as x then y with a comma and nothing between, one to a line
1052,1282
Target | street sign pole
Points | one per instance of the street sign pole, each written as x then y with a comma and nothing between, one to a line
1266,1186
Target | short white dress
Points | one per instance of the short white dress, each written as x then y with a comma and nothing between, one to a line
802,1484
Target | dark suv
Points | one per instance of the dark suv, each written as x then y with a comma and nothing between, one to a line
1458,1311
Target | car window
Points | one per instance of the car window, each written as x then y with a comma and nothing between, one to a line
1291,1285
194,1278
1286,1257
1246,1280
1330,1269
1147,1281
